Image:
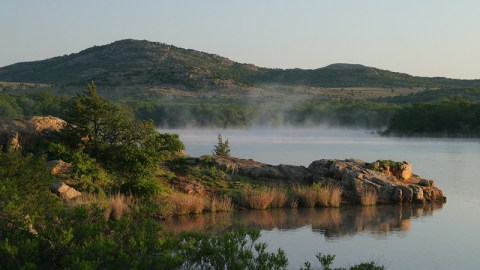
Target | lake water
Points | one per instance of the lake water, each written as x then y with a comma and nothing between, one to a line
434,237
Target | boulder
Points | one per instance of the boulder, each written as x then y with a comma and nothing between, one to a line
26,134
60,167
65,191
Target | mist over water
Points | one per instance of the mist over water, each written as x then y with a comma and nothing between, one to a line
440,238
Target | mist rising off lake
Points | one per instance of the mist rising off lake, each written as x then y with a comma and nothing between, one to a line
434,237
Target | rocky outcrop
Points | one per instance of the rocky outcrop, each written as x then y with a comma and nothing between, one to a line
357,179
281,174
24,135
388,184
65,191
186,186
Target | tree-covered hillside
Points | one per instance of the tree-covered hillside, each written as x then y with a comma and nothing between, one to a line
144,63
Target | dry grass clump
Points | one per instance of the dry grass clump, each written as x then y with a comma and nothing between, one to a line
368,197
280,197
258,199
311,196
185,204
219,204
115,206
308,196
119,204
335,196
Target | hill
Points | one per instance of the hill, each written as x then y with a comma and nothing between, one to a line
133,62
144,63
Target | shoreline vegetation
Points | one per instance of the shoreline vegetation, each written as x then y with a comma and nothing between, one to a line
112,178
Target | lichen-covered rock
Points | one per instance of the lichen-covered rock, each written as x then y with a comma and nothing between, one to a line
25,134
65,191
392,182
60,167
281,174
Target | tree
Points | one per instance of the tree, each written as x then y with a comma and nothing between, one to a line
222,149
110,134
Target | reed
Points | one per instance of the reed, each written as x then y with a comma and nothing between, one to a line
307,196
280,197
258,199
185,204
219,204
335,196
368,197
311,196
115,206
119,205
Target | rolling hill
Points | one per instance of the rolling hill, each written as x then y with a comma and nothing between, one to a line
144,63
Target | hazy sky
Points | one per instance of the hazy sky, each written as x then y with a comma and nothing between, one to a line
421,37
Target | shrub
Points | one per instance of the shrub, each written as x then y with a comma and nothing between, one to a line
233,250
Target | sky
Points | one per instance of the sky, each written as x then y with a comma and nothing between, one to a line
418,37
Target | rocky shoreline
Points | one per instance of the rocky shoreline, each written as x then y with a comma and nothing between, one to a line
391,182
388,181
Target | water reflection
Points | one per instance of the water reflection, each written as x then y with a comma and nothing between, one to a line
330,222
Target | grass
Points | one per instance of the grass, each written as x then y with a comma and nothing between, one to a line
368,197
219,204
115,206
316,195
258,199
280,197
185,204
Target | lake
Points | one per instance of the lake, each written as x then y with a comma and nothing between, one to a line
400,237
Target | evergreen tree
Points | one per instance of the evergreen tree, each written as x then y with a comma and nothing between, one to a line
222,149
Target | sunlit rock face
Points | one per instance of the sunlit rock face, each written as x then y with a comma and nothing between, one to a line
24,135
381,181
388,185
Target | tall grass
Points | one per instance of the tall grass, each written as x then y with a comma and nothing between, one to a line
115,206
315,195
219,204
185,204
368,197
306,195
280,197
258,199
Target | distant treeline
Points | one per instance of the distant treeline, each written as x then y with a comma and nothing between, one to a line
444,112
218,113
449,118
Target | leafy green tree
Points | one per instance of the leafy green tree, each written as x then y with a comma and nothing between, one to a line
110,134
9,108
222,149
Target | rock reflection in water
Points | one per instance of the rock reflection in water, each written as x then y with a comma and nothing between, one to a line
331,222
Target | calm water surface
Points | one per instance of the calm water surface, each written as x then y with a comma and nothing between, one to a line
434,237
